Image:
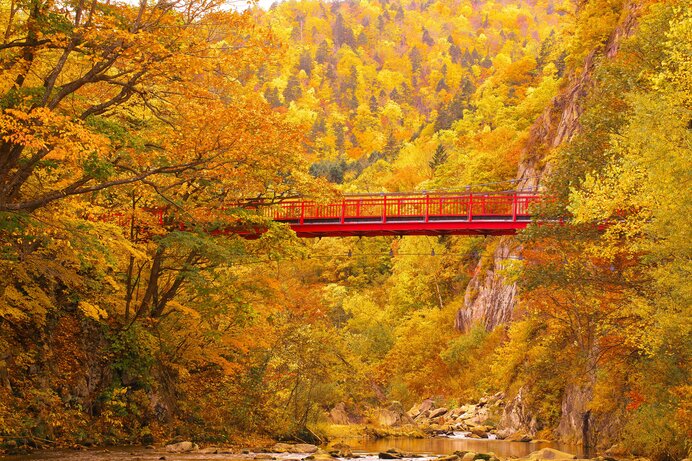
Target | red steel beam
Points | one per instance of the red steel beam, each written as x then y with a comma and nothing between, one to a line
490,213
308,230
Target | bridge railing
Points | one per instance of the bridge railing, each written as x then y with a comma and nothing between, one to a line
399,207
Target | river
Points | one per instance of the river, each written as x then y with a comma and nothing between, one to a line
367,448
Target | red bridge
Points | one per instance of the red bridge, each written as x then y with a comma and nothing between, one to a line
434,213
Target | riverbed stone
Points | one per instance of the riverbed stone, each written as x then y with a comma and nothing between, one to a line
394,453
304,448
320,456
479,432
469,456
341,450
294,448
519,437
448,458
549,454
181,447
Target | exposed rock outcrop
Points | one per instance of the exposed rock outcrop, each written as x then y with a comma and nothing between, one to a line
517,419
490,299
392,416
343,415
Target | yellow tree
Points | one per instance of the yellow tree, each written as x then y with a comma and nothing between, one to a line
98,94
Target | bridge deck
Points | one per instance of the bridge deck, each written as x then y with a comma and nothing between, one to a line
492,213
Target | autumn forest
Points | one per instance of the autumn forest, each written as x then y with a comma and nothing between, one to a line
148,297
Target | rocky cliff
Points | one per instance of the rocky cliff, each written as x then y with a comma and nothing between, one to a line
490,299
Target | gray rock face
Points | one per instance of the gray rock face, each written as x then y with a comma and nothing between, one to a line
340,415
516,417
489,298
575,416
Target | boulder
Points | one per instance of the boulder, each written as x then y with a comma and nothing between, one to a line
549,454
304,448
427,405
437,412
519,437
293,448
617,450
455,413
279,448
391,416
480,432
181,447
422,416
394,453
423,407
319,456
341,450
448,458
479,416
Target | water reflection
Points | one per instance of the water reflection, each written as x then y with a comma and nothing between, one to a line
448,445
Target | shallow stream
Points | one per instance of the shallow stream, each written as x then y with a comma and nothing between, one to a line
367,448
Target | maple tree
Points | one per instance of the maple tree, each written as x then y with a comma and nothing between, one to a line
114,115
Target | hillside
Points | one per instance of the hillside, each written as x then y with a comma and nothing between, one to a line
381,86
138,143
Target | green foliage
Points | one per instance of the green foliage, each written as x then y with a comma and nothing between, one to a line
133,356
652,431
460,350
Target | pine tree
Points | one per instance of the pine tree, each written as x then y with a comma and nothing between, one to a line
374,106
293,90
305,62
415,58
427,39
323,52
272,97
439,157
343,35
